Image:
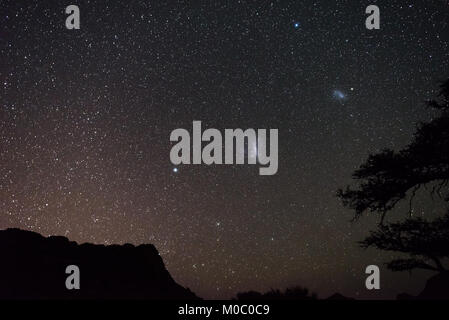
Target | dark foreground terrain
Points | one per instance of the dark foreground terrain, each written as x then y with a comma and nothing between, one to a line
33,267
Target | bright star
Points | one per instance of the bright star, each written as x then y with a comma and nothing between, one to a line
175,170
296,25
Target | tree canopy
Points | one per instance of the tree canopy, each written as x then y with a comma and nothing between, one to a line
391,176
386,178
427,242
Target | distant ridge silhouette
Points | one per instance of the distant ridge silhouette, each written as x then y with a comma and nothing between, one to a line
339,297
33,267
292,293
436,288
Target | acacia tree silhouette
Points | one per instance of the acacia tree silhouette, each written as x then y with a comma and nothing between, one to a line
389,177
426,242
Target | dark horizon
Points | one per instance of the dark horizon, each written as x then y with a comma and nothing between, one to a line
125,272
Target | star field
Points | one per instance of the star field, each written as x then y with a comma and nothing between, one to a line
86,115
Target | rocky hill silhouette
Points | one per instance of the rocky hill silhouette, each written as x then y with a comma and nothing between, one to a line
339,297
436,288
33,267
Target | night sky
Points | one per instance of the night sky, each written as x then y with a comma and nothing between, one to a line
86,116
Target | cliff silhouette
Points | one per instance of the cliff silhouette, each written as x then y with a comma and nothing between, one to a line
33,267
